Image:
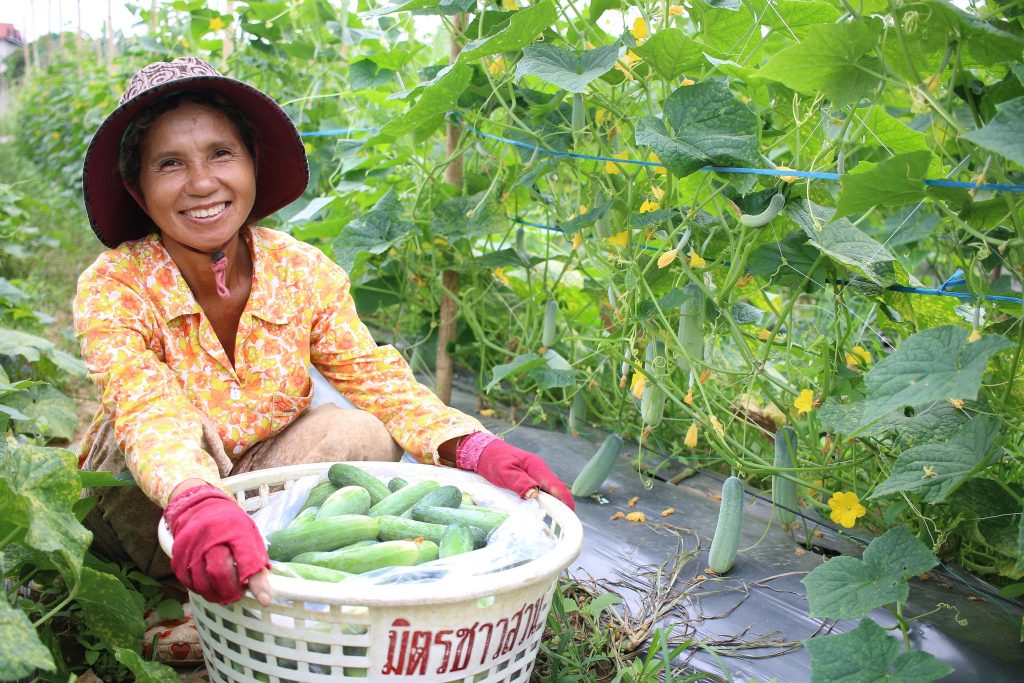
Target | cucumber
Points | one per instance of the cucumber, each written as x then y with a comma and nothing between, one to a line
305,515
348,500
428,551
402,499
367,558
397,528
310,572
579,113
577,413
343,474
598,467
484,520
727,532
783,489
320,535
447,496
652,405
521,242
318,494
691,328
457,539
549,331
396,483
758,220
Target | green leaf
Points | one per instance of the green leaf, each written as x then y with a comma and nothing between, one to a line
884,130
1004,134
867,655
374,232
364,73
434,102
793,18
848,588
523,364
146,672
91,479
567,70
932,365
710,127
833,59
551,378
471,216
38,488
21,651
599,7
787,263
10,292
844,243
49,411
893,182
933,469
1018,566
16,343
670,53
112,612
521,29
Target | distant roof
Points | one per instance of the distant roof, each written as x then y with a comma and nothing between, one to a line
9,33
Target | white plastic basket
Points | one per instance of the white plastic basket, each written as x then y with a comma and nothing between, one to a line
313,632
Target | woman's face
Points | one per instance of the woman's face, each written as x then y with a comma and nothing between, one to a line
196,177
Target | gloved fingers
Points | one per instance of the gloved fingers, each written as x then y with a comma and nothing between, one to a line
220,577
549,481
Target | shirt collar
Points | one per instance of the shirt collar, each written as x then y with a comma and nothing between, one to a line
269,300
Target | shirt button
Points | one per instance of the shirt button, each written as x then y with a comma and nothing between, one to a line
235,393
237,449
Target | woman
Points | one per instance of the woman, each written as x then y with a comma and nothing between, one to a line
199,328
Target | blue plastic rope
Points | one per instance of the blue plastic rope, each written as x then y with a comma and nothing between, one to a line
819,175
334,132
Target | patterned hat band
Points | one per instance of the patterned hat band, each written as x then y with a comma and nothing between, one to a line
163,72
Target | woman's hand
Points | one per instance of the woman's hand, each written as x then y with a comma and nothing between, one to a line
513,468
217,548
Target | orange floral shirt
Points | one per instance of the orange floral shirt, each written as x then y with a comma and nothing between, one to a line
160,367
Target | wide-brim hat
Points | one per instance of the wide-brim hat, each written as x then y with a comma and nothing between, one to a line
282,171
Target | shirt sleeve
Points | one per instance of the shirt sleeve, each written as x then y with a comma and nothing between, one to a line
155,424
377,378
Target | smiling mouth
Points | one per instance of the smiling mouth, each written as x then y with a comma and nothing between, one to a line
209,212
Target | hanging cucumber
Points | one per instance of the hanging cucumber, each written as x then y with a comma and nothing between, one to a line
691,328
549,332
727,532
783,489
598,467
652,402
579,113
521,242
760,219
577,413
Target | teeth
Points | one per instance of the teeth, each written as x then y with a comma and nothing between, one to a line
206,213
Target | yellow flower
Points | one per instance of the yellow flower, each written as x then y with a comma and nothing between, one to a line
787,178
637,385
487,412
577,240
667,258
658,193
717,426
667,511
500,274
858,356
618,515
688,399
440,242
497,66
637,517
696,261
509,5
184,43
764,334
660,170
216,24
691,436
675,10
600,116
649,206
929,472
975,336
957,403
804,403
639,29
846,508
687,81
633,501
610,167
620,240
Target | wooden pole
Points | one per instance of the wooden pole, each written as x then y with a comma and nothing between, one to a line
154,17
110,34
449,278
229,43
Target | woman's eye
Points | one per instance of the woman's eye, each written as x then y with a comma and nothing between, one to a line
168,163
222,153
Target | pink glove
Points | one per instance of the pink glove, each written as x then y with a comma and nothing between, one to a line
512,468
216,545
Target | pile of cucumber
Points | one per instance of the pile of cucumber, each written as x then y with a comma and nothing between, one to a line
354,523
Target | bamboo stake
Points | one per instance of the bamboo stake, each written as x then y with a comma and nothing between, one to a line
449,278
229,43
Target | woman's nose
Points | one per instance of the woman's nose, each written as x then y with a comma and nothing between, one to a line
201,179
